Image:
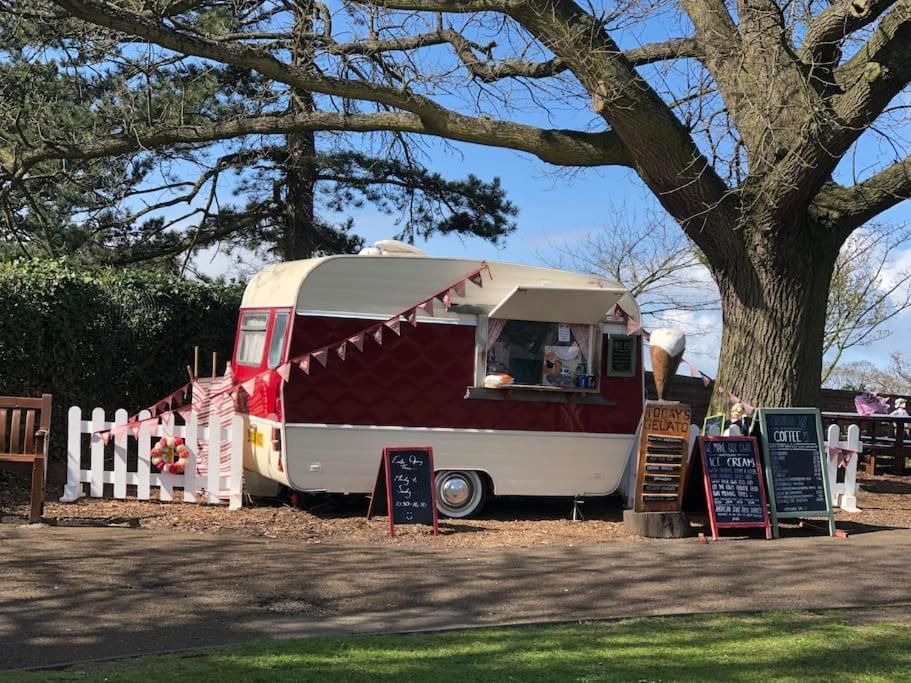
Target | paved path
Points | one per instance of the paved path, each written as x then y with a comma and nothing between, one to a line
84,593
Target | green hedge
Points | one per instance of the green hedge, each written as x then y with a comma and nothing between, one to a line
118,338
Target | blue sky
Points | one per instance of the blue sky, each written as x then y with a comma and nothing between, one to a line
556,207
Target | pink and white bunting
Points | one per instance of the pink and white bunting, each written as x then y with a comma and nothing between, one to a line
322,356
249,386
412,317
341,349
284,371
357,341
377,335
394,325
427,306
304,365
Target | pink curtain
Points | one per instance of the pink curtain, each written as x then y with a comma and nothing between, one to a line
581,335
494,329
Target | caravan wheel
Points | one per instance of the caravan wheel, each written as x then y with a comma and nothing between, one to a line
460,494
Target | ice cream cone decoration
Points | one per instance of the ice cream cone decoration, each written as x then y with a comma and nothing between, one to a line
666,348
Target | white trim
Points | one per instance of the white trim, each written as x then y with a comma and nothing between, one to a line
455,430
463,319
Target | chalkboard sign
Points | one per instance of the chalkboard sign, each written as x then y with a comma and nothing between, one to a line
795,464
405,487
734,491
713,425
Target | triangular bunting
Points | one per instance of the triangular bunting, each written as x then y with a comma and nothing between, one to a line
632,326
447,299
249,386
105,437
134,429
167,418
734,398
477,279
694,372
412,317
304,365
341,349
284,371
489,272
427,306
357,341
184,413
748,407
378,335
394,324
706,380
459,288
322,356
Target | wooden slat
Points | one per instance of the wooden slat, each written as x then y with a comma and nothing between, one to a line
20,402
14,431
2,429
16,457
29,436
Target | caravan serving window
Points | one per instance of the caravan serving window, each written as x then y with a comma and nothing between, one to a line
540,353
252,340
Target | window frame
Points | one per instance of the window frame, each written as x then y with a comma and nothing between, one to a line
240,332
608,372
282,351
595,339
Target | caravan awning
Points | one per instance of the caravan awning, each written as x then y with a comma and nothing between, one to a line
556,304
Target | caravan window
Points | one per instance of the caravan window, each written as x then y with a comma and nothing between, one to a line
252,341
539,353
277,343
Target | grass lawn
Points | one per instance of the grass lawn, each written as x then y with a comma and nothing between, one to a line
793,646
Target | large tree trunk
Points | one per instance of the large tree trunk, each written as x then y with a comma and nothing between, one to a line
773,305
297,203
298,227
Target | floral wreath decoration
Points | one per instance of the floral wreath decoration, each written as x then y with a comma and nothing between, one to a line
170,454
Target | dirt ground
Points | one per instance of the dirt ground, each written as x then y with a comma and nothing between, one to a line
884,503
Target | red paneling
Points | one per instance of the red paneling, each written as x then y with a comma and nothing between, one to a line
264,402
419,380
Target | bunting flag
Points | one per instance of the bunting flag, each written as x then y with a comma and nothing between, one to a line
706,380
167,419
322,356
378,335
447,300
134,429
340,349
394,324
357,341
477,279
459,288
184,413
284,371
427,306
412,317
105,437
304,365
632,326
249,386
748,407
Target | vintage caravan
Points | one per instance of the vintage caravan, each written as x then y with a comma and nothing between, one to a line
563,427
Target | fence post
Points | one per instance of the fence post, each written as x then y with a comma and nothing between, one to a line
144,464
73,489
97,485
833,440
849,497
120,455
236,476
213,476
191,440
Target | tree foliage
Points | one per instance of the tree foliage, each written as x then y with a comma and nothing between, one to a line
741,118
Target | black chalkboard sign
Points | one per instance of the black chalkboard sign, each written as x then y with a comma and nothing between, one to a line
405,487
734,490
795,464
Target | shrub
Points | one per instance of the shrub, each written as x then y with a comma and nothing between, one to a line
115,338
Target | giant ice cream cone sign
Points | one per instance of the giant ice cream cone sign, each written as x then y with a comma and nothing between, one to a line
667,347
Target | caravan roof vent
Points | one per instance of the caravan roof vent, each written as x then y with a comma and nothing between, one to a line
383,247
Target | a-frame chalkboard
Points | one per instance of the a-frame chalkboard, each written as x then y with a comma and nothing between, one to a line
734,491
405,487
795,465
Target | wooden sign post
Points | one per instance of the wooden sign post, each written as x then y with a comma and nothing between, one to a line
795,465
405,487
734,490
663,451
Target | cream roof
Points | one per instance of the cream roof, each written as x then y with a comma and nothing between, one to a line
375,286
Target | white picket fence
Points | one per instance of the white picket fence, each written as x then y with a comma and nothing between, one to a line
212,488
844,495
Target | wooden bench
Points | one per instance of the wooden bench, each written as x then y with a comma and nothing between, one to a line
24,428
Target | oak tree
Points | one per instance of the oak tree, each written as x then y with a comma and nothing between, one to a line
736,115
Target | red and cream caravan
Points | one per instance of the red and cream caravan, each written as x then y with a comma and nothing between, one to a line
563,427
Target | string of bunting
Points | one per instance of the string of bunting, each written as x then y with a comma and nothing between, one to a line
633,326
339,348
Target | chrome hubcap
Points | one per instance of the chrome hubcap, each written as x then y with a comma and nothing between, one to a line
455,491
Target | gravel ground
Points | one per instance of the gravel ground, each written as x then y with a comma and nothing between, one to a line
884,503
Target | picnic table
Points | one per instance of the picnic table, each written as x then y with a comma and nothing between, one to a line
885,438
